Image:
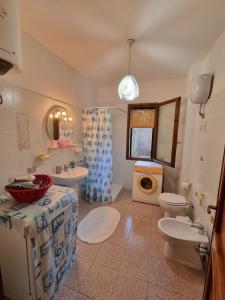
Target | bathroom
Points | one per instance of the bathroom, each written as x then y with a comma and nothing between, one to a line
75,66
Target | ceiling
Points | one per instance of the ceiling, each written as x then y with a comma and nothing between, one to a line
91,35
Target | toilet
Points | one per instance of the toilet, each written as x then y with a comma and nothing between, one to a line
173,204
181,240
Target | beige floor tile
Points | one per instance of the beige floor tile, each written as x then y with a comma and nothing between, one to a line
110,255
154,224
144,213
129,288
77,274
120,236
100,282
191,279
127,216
127,221
138,243
157,211
127,224
163,273
191,295
141,228
68,294
156,292
123,229
142,261
87,251
122,203
145,219
156,246
135,264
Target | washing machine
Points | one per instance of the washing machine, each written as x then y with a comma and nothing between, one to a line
147,182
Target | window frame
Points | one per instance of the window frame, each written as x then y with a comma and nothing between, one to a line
155,106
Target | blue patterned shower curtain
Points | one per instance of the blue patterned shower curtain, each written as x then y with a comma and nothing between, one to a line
97,149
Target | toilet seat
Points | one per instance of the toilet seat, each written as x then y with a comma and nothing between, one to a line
173,199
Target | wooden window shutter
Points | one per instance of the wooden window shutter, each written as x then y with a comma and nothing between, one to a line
142,118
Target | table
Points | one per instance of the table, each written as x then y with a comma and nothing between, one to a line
37,243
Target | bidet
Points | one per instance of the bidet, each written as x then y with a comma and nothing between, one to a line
181,241
199,226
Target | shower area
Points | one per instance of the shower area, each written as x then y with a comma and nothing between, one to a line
100,152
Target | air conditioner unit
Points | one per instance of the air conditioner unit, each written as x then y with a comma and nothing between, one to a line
10,37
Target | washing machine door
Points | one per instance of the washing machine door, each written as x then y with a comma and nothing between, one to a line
147,183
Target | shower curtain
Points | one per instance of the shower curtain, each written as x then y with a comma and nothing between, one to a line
97,149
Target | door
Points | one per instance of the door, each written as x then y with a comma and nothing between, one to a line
168,122
1,287
215,279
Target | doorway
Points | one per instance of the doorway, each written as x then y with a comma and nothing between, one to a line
215,278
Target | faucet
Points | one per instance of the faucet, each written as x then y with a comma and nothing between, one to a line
199,226
66,167
80,162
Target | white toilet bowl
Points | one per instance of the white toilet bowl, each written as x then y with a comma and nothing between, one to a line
173,204
180,241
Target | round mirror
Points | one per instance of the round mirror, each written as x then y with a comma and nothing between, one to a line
59,124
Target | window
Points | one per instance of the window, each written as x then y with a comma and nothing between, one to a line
141,142
152,131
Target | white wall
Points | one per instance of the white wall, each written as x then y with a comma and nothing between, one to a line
44,75
149,92
47,74
205,138
14,162
122,168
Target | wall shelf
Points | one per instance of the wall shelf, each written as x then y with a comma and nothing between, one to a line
58,148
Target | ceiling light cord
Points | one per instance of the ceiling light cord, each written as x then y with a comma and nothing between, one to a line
130,43
129,59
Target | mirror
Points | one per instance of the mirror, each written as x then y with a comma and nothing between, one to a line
59,125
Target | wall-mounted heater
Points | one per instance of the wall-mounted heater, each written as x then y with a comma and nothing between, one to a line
200,91
10,37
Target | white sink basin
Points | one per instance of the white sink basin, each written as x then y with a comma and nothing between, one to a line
71,177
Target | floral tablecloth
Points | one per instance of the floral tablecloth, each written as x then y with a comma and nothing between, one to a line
49,226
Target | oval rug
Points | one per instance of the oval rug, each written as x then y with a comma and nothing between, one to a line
98,225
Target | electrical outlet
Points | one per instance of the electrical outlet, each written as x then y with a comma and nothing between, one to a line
200,196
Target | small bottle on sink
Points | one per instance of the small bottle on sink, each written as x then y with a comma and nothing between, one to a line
58,169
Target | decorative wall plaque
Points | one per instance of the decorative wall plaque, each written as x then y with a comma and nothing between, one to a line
23,131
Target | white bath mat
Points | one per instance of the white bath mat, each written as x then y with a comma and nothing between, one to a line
98,225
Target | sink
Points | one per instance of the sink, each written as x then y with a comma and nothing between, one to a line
70,178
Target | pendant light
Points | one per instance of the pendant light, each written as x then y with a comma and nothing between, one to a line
128,88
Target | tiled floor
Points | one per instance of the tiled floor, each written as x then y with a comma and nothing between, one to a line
129,265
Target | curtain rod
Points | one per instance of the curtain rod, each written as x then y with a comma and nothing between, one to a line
112,107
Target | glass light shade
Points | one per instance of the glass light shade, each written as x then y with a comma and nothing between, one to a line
128,88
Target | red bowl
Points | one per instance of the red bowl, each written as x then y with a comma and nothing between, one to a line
29,196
